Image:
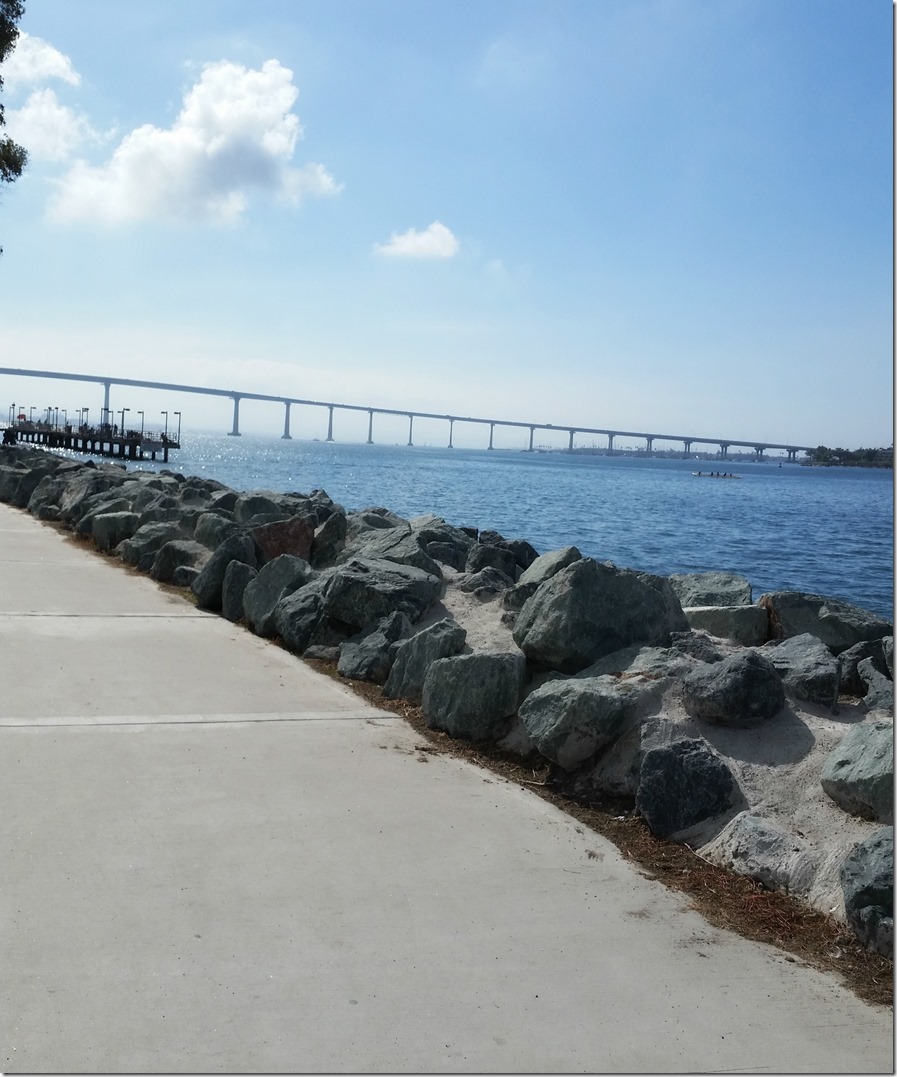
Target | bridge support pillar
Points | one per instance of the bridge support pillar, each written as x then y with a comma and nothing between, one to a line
759,451
649,445
330,422
686,448
724,449
107,385
570,442
491,432
370,426
410,430
532,431
235,433
792,455
286,435
451,430
610,444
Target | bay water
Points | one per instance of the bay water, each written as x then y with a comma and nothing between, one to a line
824,530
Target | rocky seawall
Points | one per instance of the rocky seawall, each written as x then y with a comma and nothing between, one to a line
759,732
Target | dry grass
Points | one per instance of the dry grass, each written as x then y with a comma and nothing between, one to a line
724,898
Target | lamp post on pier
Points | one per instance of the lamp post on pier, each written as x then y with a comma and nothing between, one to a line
140,413
122,427
165,435
31,415
179,426
55,417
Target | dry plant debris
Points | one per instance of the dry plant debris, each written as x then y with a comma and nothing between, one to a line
724,898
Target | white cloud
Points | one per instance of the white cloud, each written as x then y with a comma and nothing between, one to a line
437,241
49,130
235,134
35,60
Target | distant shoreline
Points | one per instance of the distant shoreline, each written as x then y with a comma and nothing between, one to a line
850,463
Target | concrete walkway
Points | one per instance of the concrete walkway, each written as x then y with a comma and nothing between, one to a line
215,860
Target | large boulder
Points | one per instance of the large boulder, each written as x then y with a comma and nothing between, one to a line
540,570
397,544
323,505
83,484
473,696
299,617
838,624
807,667
223,500
879,689
569,721
179,553
859,773
30,480
268,503
660,665
711,589
747,625
481,556
373,519
141,548
363,591
776,858
446,553
443,542
275,580
329,539
683,784
212,528
524,553
292,536
590,609
740,691
484,584
44,500
415,655
207,585
10,477
369,656
237,577
852,683
111,528
867,881
108,504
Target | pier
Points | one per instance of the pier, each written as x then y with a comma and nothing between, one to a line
104,440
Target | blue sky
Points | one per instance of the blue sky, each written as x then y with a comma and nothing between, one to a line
664,215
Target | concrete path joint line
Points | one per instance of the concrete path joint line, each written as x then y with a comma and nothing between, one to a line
195,719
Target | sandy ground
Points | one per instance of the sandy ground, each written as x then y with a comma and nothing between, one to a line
777,765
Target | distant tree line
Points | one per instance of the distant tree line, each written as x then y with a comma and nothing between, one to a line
826,457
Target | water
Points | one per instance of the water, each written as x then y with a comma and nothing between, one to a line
824,530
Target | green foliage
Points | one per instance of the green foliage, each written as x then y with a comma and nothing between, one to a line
851,457
13,157
12,160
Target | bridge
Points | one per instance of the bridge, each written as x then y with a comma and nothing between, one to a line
686,440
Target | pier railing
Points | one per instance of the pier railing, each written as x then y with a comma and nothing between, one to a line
103,440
